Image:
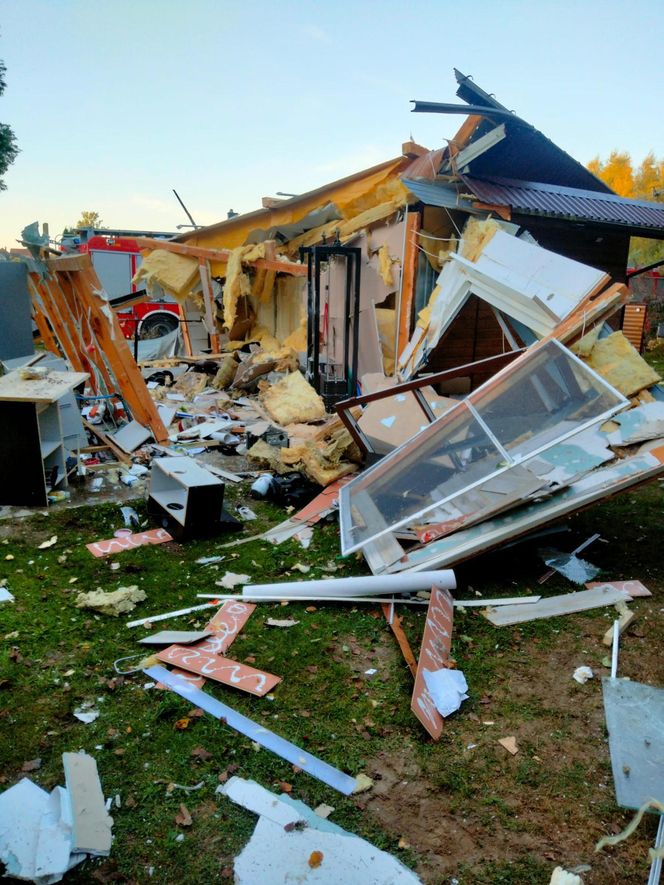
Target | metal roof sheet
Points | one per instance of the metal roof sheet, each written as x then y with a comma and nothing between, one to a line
433,193
537,198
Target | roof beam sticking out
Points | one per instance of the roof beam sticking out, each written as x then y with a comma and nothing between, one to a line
441,107
481,146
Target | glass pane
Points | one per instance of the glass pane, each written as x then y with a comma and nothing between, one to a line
549,398
422,476
545,396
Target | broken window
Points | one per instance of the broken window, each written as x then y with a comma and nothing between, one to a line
475,457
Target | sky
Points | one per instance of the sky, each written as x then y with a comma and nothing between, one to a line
113,104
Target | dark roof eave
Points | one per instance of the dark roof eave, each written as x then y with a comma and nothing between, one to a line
613,227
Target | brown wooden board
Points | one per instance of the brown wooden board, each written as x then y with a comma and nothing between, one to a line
434,654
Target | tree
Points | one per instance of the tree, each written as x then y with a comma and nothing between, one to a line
8,148
89,219
645,182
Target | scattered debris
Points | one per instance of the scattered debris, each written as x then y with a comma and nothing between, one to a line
447,689
86,713
286,622
128,542
582,675
46,544
232,580
362,783
91,825
562,877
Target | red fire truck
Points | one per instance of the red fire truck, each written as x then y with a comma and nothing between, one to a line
116,258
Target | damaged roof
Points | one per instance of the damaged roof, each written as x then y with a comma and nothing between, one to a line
571,204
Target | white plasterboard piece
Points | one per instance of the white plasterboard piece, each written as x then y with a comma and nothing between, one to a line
166,413
553,606
532,269
131,436
253,797
53,855
91,825
275,854
344,857
19,832
5,595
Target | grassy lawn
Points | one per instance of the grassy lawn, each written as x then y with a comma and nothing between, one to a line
461,809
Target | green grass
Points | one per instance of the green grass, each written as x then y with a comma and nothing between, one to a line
55,656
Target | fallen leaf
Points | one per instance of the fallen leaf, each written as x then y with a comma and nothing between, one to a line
183,818
130,802
311,608
196,713
510,744
32,765
404,843
119,752
315,859
285,787
45,544
223,777
202,754
15,655
183,723
226,873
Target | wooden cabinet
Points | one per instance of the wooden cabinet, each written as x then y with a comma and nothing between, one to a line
32,450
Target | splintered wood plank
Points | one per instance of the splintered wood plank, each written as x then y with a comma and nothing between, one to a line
91,825
395,625
434,655
220,669
128,542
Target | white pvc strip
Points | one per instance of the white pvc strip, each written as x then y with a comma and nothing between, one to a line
329,775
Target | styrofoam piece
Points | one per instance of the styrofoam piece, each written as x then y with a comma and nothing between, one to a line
91,825
372,585
5,595
343,856
258,733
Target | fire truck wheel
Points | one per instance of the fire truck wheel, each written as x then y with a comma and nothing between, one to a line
157,325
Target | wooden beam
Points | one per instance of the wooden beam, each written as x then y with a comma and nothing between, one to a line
295,270
503,211
183,249
395,625
411,252
210,306
108,442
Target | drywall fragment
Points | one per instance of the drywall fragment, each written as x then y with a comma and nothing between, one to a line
293,400
257,733
173,637
618,362
86,713
91,825
562,877
313,853
510,744
5,595
131,436
53,855
231,580
582,675
552,606
117,602
21,810
286,622
448,689
323,810
45,544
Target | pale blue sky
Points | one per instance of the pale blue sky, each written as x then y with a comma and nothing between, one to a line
116,102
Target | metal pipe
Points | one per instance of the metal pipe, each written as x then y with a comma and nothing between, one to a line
372,585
